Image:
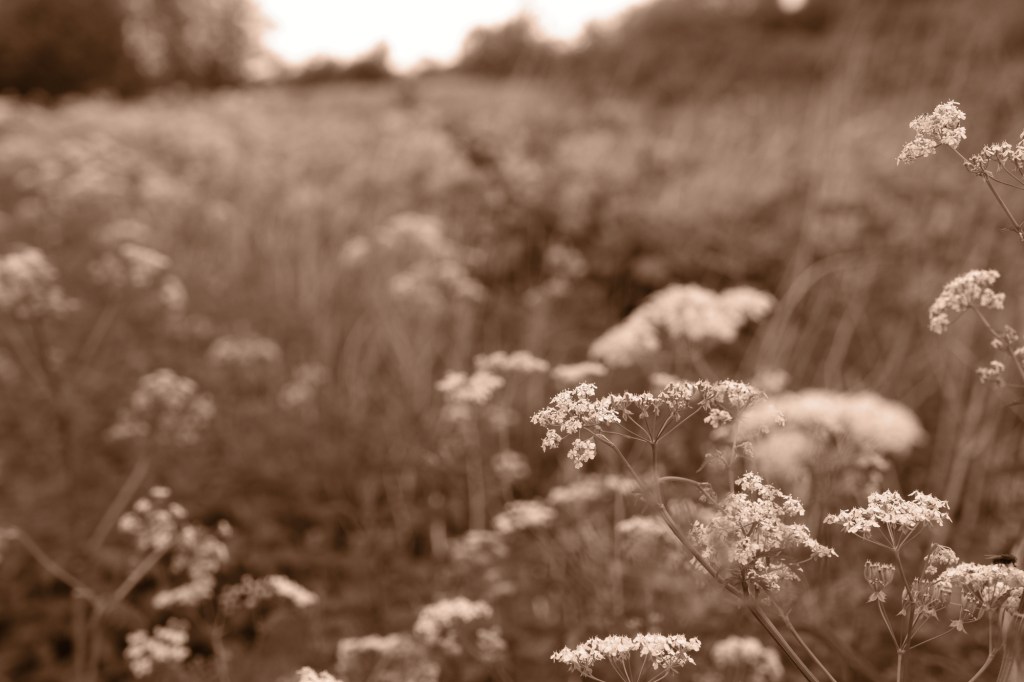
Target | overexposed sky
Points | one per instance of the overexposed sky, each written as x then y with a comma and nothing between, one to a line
414,30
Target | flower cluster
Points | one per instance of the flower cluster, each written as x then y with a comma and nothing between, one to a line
576,411
165,407
244,353
570,412
462,392
159,525
29,288
941,127
479,548
591,488
154,520
396,657
460,626
747,658
130,265
995,157
897,518
307,674
504,362
749,533
520,515
667,653
971,289
301,388
167,644
938,559
510,466
647,540
678,313
985,587
250,592
577,372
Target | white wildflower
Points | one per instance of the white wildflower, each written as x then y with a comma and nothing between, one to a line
941,127
971,289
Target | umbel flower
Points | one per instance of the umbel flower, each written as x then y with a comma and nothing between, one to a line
663,654
941,127
747,658
971,289
680,313
165,407
167,644
459,626
750,536
29,287
985,587
895,518
642,416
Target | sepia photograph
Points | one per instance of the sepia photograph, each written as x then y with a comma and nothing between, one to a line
512,341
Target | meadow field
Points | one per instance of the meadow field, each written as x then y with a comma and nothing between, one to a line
270,358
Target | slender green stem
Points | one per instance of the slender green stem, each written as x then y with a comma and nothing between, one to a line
792,628
54,568
991,653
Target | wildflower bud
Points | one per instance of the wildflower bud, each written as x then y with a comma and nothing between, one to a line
879,576
939,559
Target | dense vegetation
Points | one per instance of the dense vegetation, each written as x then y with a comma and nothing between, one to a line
343,247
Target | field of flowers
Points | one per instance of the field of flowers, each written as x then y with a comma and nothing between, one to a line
290,378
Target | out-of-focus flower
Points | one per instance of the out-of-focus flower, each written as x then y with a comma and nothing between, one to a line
130,265
459,626
749,532
589,489
479,548
250,592
647,540
244,355
397,657
307,674
666,654
871,424
29,287
521,515
301,389
971,289
747,658
991,373
897,518
941,127
578,372
983,588
166,645
165,407
504,362
510,466
462,392
678,313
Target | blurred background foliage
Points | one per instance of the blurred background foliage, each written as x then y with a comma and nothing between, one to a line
717,143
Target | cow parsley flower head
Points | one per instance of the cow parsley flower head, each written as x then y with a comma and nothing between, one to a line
572,411
747,658
167,644
29,288
680,313
895,518
941,127
749,532
504,362
972,288
985,587
460,626
307,674
521,515
663,653
165,407
396,657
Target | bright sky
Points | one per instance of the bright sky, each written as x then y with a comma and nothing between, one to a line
413,29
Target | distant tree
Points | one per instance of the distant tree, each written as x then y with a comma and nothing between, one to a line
58,46
373,66
515,47
61,46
